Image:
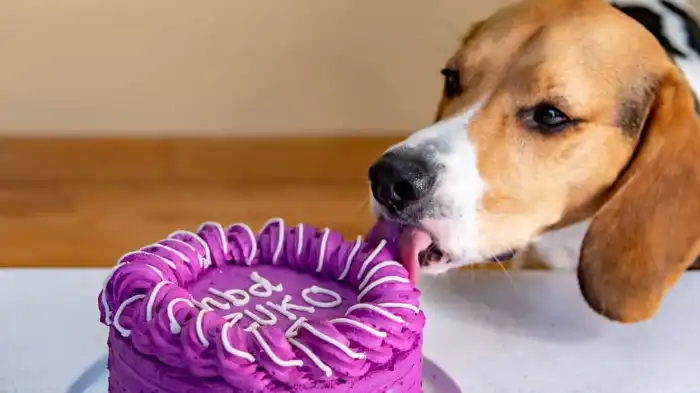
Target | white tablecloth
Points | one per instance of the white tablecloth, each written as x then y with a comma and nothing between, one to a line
531,333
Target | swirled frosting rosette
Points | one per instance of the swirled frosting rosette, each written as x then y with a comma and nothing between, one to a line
285,309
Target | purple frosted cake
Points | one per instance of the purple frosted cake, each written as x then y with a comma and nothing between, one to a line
291,309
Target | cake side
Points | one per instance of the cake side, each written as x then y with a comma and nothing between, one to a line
147,301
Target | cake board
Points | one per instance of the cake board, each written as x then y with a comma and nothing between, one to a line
94,379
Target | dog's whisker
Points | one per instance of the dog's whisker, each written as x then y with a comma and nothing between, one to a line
495,258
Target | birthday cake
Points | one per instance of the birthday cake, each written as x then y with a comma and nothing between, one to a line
290,309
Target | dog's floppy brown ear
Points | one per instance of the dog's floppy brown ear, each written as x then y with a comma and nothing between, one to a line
647,233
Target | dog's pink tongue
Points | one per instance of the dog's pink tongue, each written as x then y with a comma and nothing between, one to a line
410,242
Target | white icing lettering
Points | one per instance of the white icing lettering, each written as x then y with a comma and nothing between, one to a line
322,251
280,237
123,331
271,318
317,361
406,306
227,343
272,355
334,342
175,327
293,330
280,309
262,287
207,303
360,325
300,239
374,271
379,282
233,315
337,300
378,310
152,299
200,329
204,260
351,258
253,241
251,327
288,305
237,297
370,258
221,233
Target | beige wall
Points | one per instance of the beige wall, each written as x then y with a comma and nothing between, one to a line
233,65
225,65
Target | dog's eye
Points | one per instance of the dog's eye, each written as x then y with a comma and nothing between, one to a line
453,84
544,118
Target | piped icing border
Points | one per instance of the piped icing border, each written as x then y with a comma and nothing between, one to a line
144,299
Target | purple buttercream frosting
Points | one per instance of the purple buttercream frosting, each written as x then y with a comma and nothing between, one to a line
164,299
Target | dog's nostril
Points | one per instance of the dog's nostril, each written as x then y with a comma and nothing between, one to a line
405,191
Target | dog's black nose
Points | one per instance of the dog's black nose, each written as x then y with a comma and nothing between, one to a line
397,180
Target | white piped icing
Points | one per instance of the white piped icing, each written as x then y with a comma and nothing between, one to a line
227,343
378,310
271,318
169,249
157,271
203,262
253,241
406,306
262,287
317,361
233,315
175,327
288,305
103,297
188,245
280,237
251,327
379,282
370,258
358,324
337,300
351,257
322,251
207,303
237,297
222,235
374,270
272,354
300,239
123,331
152,299
346,350
200,329
293,330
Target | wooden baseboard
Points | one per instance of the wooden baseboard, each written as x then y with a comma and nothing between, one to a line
84,202
189,161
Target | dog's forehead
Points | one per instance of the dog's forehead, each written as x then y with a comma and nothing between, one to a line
589,34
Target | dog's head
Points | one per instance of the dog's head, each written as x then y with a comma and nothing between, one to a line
554,111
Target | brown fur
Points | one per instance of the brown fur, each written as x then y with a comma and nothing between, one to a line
648,232
562,51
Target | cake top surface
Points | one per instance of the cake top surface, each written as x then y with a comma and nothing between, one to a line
286,306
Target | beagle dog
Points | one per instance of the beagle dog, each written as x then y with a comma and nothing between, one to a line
562,122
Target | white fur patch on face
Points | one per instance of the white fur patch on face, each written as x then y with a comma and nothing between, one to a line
450,213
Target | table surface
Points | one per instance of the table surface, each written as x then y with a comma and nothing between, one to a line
529,332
